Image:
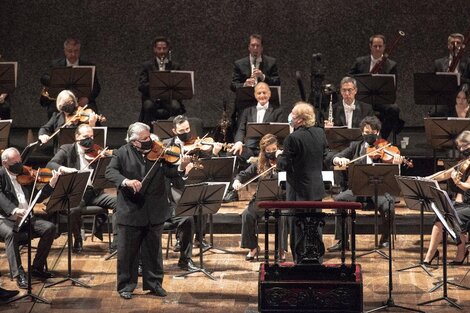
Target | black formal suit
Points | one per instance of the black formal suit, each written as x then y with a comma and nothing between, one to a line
442,65
140,216
362,65
302,158
67,156
44,229
50,105
55,121
158,109
242,71
362,110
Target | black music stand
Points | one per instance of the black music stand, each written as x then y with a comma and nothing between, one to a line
78,79
163,129
99,170
245,97
68,193
445,212
5,126
339,138
27,219
258,130
214,170
197,200
376,89
8,77
416,194
67,135
370,180
171,85
435,89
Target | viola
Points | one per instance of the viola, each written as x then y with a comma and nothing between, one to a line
159,151
44,175
384,151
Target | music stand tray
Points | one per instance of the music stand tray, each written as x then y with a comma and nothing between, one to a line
197,200
339,138
441,132
163,129
78,79
67,135
5,126
376,89
98,177
217,169
171,85
258,130
435,89
8,76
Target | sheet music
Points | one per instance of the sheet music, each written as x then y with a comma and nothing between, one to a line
192,77
28,211
443,220
92,72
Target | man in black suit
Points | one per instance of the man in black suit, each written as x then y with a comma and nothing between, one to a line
389,114
370,127
158,109
302,159
454,44
72,58
14,202
71,158
142,209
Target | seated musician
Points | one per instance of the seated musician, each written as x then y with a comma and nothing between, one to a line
71,158
370,127
461,106
460,177
66,105
455,42
267,158
14,201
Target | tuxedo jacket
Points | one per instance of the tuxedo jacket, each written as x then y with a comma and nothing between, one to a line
150,206
57,119
362,110
67,155
352,151
362,66
242,71
8,199
148,67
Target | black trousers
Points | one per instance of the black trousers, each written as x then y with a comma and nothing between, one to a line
147,240
184,233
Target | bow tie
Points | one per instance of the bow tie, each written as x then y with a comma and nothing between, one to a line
260,107
349,108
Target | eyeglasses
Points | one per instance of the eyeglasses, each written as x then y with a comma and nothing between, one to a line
348,90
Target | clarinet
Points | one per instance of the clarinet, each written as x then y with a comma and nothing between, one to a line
330,109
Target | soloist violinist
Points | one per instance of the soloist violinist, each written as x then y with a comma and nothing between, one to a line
142,209
370,127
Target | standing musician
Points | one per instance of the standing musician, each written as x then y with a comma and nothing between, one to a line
460,177
389,114
142,209
302,159
72,158
72,58
455,42
14,202
269,147
370,127
161,61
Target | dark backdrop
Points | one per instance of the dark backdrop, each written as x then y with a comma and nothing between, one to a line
207,36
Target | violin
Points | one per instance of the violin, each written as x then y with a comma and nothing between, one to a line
28,177
462,169
97,151
170,154
82,115
205,144
384,151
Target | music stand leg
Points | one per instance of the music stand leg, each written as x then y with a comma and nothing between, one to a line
69,259
109,257
211,242
33,297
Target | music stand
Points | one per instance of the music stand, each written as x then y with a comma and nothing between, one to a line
5,126
8,77
445,212
370,180
258,130
245,97
339,138
416,191
171,85
67,135
163,129
98,177
78,79
197,200
435,89
376,89
68,193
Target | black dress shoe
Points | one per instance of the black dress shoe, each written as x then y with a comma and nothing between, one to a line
78,245
7,294
187,265
100,221
337,247
231,196
383,243
126,295
205,245
159,291
41,274
139,270
21,281
177,246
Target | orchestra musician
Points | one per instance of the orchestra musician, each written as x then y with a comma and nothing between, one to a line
72,158
370,127
14,202
161,61
72,57
142,209
454,44
460,177
302,158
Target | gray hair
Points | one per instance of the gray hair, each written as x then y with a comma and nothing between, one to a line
65,96
348,79
7,152
134,130
71,41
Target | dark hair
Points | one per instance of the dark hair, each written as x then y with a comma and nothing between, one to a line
372,121
255,36
179,120
161,39
376,36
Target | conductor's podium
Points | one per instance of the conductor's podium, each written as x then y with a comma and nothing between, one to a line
308,285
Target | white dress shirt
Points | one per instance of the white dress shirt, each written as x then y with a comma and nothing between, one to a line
348,112
261,111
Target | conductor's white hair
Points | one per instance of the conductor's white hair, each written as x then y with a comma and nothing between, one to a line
7,153
134,130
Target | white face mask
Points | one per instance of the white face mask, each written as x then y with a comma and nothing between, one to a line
290,121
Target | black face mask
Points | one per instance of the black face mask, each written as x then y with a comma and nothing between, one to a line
86,142
270,155
184,137
370,138
465,153
146,145
16,168
68,108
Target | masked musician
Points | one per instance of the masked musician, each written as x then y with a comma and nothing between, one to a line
460,177
72,57
370,127
142,209
454,44
14,201
158,109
